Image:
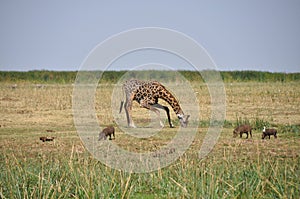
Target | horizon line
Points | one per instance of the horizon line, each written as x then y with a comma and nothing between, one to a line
123,70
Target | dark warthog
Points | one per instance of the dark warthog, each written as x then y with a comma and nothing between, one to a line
46,139
242,129
108,131
269,132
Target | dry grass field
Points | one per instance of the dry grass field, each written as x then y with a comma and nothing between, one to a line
236,168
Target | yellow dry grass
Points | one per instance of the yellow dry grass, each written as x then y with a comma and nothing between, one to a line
28,111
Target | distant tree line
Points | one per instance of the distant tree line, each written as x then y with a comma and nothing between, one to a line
38,76
67,77
258,76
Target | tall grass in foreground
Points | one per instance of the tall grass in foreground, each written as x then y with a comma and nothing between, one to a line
80,176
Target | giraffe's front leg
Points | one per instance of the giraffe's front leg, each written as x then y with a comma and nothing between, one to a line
158,115
167,111
146,105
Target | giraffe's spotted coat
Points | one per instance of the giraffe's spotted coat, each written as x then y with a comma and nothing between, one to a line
147,93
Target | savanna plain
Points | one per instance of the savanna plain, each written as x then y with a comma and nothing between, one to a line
235,168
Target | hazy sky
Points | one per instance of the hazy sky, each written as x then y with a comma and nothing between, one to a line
238,35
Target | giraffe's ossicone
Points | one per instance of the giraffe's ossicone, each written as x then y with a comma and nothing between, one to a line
147,93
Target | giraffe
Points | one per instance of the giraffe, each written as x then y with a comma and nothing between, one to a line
147,93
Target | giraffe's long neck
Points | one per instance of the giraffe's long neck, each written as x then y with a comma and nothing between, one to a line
168,97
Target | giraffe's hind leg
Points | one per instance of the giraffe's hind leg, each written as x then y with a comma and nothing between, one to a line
128,107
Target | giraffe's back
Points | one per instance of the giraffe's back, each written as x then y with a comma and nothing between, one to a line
142,90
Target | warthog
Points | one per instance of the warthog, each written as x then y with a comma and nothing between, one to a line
46,139
108,131
242,129
268,132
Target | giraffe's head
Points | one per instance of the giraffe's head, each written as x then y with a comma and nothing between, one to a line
183,119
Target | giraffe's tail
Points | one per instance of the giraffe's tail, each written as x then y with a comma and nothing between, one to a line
121,106
123,97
